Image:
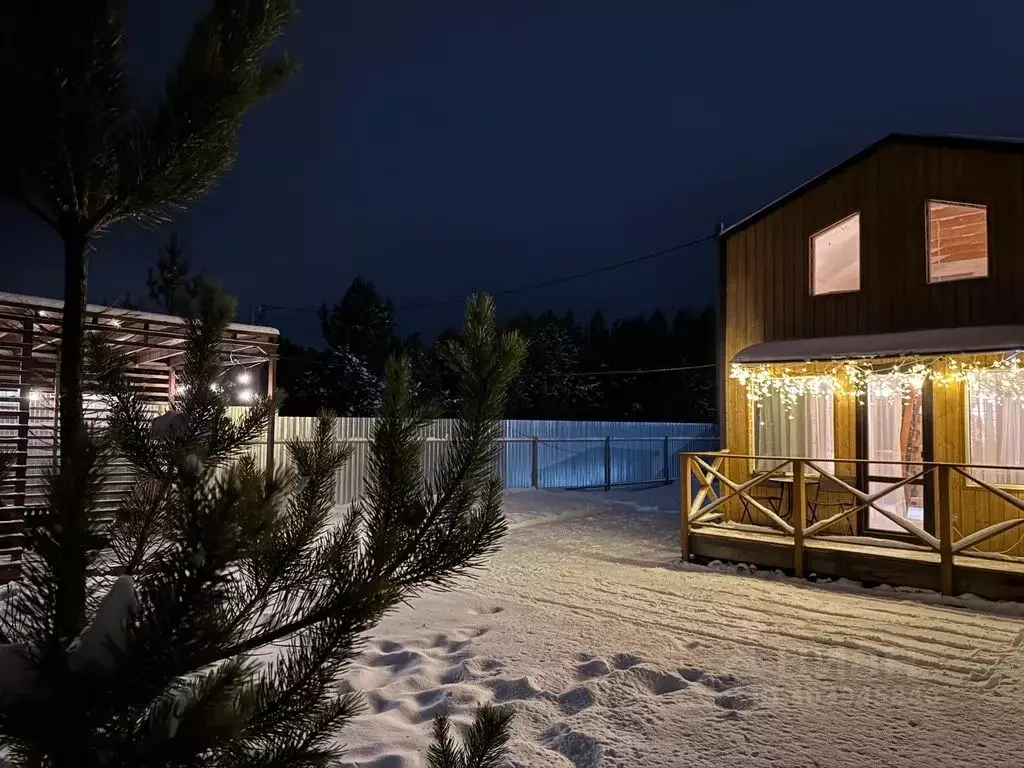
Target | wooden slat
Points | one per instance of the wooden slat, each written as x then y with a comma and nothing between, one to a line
799,517
686,467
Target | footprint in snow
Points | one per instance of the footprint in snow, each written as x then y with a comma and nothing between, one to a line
593,668
735,702
487,611
624,660
716,683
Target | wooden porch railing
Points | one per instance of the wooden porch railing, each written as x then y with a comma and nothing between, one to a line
706,507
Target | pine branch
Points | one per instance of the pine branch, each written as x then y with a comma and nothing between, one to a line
179,150
484,745
444,751
488,737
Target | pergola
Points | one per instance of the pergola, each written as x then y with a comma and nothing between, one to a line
30,360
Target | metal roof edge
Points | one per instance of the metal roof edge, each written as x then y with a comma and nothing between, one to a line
929,342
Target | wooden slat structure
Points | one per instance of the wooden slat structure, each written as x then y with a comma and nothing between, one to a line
943,560
29,363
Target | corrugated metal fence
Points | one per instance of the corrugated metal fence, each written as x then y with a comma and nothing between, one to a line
542,454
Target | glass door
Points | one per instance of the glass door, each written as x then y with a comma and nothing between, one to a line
894,433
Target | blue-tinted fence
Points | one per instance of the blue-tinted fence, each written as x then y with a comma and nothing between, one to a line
541,454
580,454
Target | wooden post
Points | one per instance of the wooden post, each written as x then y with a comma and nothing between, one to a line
607,463
686,465
799,516
944,524
667,463
272,424
534,464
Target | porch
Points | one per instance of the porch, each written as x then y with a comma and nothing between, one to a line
721,491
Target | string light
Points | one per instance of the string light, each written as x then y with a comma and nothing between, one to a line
996,381
245,395
244,377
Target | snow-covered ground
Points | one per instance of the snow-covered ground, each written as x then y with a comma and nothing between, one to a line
613,654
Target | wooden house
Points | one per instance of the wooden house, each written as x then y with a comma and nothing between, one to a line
871,376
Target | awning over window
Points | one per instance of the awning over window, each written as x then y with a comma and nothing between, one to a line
943,341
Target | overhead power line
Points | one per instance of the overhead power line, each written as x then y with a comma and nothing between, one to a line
529,286
567,278
635,371
539,374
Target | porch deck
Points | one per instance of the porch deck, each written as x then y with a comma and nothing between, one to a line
940,558
871,563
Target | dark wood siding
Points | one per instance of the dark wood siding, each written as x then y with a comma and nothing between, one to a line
890,189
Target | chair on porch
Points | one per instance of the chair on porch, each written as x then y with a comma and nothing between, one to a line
831,497
773,494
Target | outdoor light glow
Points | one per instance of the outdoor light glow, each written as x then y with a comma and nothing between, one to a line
850,378
244,377
215,387
34,395
245,395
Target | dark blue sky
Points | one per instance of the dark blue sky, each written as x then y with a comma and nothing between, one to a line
441,148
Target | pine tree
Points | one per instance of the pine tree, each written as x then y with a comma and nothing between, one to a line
550,387
361,335
237,599
82,155
170,284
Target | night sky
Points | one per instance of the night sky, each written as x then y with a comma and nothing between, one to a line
441,148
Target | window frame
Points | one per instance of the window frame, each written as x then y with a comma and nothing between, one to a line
811,259
928,242
752,437
968,482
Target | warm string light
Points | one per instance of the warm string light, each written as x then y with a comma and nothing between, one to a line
996,381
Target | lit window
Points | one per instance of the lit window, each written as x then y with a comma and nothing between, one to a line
805,429
995,422
835,258
957,241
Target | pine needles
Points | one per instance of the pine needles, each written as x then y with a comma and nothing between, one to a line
242,597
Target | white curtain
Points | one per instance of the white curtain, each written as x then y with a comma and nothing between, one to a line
995,427
894,424
805,429
885,424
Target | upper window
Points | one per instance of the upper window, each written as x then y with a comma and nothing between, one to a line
835,258
804,429
995,426
957,241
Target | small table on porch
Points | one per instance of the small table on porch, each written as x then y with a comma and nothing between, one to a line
785,483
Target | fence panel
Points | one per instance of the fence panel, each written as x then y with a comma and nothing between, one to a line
544,454
570,463
637,461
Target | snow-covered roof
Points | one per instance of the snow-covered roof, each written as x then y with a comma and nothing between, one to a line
936,341
147,337
38,302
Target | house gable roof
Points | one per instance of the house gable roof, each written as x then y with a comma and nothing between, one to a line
953,141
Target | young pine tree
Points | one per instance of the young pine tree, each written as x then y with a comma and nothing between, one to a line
238,600
81,151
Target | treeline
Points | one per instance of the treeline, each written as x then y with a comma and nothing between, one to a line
591,370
